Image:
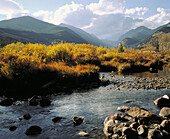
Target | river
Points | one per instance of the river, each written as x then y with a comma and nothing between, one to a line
94,105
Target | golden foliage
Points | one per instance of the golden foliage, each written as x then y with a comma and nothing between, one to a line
70,58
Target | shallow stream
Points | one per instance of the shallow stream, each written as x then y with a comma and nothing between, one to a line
94,105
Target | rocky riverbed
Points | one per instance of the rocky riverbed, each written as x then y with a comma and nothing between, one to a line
139,123
144,82
75,115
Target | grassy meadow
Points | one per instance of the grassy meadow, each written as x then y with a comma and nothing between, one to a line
73,59
69,63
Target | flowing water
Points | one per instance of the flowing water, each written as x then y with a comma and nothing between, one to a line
94,105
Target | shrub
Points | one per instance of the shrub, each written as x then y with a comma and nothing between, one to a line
120,48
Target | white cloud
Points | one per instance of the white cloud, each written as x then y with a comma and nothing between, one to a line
65,10
161,18
111,26
139,10
73,14
44,15
107,19
107,7
11,9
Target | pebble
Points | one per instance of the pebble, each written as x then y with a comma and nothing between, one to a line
81,133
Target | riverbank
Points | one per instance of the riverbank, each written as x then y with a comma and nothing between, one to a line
37,69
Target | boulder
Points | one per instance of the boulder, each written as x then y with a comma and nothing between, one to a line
129,133
27,116
142,130
166,125
115,136
56,119
109,124
12,128
134,125
121,117
6,102
154,134
162,102
78,120
123,108
112,118
137,112
44,102
33,102
166,96
104,82
33,130
165,112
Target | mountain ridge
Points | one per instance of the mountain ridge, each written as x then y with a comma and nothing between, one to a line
44,32
134,37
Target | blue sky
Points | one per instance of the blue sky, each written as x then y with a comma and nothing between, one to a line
107,19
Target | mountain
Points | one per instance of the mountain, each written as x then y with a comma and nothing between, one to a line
133,37
90,38
160,40
40,30
7,38
11,35
110,43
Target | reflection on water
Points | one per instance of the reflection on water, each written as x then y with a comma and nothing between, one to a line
161,73
94,105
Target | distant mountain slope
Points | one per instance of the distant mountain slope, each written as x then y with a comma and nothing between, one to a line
7,38
135,36
11,35
129,41
30,24
90,38
160,40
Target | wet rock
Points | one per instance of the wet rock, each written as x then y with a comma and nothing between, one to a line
44,102
33,102
115,136
137,112
12,128
123,108
155,134
165,112
134,125
127,124
122,117
81,133
142,130
56,119
102,76
104,82
129,133
162,102
78,120
166,96
27,116
33,130
112,118
166,125
6,102
128,101
109,124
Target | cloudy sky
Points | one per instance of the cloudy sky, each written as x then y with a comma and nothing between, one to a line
107,19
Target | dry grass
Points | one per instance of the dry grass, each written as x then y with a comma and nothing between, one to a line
71,59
